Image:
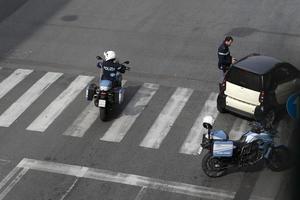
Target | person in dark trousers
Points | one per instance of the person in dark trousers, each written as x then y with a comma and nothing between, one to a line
225,59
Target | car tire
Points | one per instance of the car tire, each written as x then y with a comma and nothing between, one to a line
221,104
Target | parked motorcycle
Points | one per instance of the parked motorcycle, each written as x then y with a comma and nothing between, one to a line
107,94
254,145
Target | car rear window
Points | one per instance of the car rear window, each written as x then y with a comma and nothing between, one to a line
244,78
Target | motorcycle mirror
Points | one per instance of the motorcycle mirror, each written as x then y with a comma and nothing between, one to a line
207,125
98,58
126,62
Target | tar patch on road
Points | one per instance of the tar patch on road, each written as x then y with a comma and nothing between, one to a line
69,18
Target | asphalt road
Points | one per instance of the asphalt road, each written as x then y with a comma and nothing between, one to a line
171,45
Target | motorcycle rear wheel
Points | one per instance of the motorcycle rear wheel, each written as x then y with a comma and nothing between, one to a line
279,159
213,166
103,114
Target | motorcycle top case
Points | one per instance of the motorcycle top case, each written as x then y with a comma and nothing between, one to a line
222,148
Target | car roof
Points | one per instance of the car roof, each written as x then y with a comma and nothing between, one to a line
258,64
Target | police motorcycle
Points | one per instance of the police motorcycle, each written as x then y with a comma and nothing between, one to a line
254,146
108,93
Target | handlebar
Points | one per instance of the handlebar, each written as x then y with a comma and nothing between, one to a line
258,127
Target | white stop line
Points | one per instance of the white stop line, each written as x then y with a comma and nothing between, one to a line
110,176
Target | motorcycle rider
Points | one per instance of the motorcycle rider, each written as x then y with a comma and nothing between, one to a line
111,68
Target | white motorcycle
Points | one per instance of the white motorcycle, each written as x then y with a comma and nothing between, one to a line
253,146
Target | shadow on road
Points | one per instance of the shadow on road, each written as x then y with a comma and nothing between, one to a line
19,19
246,31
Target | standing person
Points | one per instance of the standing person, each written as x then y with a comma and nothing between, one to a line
225,59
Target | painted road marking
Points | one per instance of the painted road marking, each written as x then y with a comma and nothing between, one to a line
11,81
4,162
166,118
276,179
84,121
70,189
192,143
128,179
120,126
17,108
43,121
9,176
13,183
238,129
141,193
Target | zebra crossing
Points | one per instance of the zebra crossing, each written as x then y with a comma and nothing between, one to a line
121,125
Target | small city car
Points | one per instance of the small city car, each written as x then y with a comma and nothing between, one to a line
258,87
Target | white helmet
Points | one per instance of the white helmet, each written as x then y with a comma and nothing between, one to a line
208,121
109,55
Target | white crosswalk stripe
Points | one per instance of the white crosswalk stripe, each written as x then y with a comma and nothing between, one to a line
120,127
192,143
276,179
17,108
43,121
238,128
11,81
166,118
83,122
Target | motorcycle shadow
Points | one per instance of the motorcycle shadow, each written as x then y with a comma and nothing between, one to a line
119,109
260,166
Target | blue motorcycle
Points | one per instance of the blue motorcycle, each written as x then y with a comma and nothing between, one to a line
108,93
253,146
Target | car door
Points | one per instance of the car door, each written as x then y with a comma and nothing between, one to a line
286,83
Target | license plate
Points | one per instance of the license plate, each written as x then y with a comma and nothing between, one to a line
101,103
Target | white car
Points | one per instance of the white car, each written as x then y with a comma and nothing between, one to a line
258,87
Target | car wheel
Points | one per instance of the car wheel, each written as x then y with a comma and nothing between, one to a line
221,105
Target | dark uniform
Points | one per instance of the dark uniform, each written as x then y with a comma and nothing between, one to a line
110,70
224,56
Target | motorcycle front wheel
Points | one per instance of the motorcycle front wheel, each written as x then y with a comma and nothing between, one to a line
213,166
103,114
279,159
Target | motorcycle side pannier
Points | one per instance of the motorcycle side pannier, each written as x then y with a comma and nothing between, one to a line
90,91
223,148
119,95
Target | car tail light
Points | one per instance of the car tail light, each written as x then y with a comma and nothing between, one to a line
261,96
